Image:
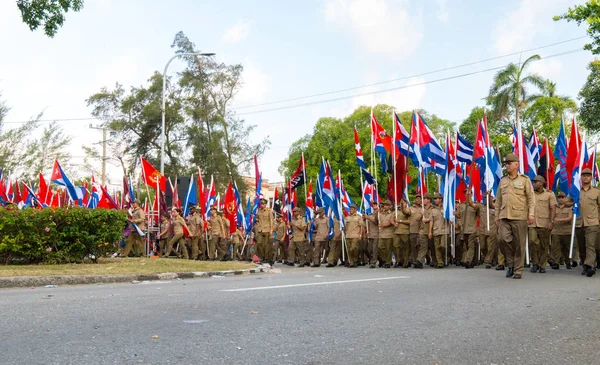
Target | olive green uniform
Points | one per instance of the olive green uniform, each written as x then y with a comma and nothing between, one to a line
280,250
467,215
539,234
353,230
416,216
440,235
195,224
135,242
177,238
372,237
386,236
263,228
298,240
587,225
321,224
402,239
561,234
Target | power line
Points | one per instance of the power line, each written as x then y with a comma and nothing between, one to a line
408,77
396,88
51,120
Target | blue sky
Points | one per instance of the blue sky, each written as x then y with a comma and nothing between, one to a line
289,49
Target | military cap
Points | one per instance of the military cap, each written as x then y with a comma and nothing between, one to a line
437,196
263,200
296,209
511,157
319,210
193,207
540,178
213,208
137,201
387,202
586,171
426,196
418,196
561,194
354,206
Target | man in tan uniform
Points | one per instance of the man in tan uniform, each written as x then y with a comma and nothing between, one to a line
425,234
335,245
263,228
280,251
416,220
298,239
401,236
539,231
468,220
215,229
135,241
354,231
321,224
561,232
587,231
439,229
487,238
515,208
372,225
386,234
195,223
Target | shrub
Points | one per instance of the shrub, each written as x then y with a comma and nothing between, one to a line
58,235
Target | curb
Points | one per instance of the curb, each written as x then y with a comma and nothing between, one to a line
33,281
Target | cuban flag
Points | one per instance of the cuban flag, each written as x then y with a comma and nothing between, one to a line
191,197
59,177
449,192
560,154
211,196
367,197
464,149
381,141
574,149
535,147
360,160
520,149
94,197
310,209
426,151
401,136
238,202
575,189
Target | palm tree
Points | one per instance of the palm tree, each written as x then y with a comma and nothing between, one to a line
510,89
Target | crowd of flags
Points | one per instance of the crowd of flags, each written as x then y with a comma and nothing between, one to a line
460,164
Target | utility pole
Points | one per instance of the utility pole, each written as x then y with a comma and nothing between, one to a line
104,158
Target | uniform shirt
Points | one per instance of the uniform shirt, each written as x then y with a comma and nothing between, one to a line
468,219
215,225
178,224
588,203
544,200
483,221
226,224
427,215
237,238
264,221
280,229
402,228
298,225
440,226
386,218
322,228
354,224
416,216
337,234
139,218
164,226
372,226
195,224
563,228
515,198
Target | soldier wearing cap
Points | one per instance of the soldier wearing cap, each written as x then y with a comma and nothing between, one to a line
354,230
196,225
263,228
561,232
425,231
416,219
237,240
515,208
539,231
298,239
335,245
215,229
468,214
401,242
440,231
386,234
178,224
321,224
372,225
135,241
224,242
280,251
587,224
487,237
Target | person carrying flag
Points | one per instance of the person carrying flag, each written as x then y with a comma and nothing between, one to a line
135,241
515,208
164,235
237,239
335,245
561,232
321,224
178,224
440,231
279,244
468,217
264,227
298,239
425,231
539,231
354,231
195,223
372,226
215,229
386,234
415,212
401,242
587,231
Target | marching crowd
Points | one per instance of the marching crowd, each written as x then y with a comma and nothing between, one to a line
493,233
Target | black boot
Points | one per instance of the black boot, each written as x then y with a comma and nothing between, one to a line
509,272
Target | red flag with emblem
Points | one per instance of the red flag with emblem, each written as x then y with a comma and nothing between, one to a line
152,176
230,208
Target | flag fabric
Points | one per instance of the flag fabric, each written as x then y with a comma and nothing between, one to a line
240,209
231,210
59,177
152,176
421,183
44,194
256,173
191,197
573,151
367,198
535,147
425,149
276,201
176,203
382,142
106,201
464,149
127,197
138,230
299,177
401,137
360,160
310,207
578,155
449,192
546,167
560,154
521,149
31,199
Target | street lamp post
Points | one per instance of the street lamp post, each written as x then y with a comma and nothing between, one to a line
163,134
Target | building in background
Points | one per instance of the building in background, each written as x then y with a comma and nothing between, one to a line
268,188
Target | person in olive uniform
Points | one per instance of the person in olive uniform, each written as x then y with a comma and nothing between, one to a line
164,233
386,234
539,231
468,219
440,231
298,239
401,236
425,233
263,227
335,245
416,220
178,223
587,231
321,224
515,208
215,229
196,224
561,232
135,241
487,238
280,251
354,230
237,239
372,234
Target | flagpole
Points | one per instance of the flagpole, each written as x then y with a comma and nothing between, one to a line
394,131
362,195
574,215
339,203
304,173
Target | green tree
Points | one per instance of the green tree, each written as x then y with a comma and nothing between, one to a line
590,14
510,91
590,98
499,130
47,13
42,152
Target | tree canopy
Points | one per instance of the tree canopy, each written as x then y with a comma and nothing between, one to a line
50,14
588,13
590,98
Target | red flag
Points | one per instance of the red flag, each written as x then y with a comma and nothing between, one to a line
44,193
201,196
230,208
546,168
18,198
573,150
152,176
256,173
106,201
299,178
175,195
379,134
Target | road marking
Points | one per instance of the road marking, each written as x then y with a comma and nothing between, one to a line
313,284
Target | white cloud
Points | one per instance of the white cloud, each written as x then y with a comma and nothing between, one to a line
381,26
256,85
443,16
549,69
237,33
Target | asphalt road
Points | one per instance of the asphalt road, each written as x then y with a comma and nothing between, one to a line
311,316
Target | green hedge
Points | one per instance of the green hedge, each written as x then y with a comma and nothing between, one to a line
58,235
